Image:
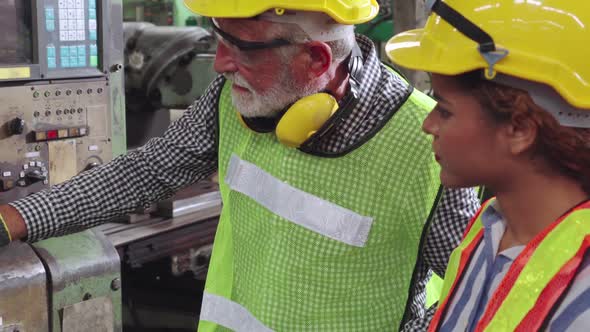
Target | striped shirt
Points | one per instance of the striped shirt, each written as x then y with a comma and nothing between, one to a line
487,269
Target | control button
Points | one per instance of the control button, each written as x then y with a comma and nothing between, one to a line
82,61
51,62
74,132
72,111
49,13
82,131
47,113
25,167
80,110
16,126
32,163
58,112
79,91
82,50
51,134
22,173
89,91
36,94
51,51
66,111
92,35
93,49
74,50
93,61
62,133
92,4
65,62
50,25
40,136
36,114
74,61
68,92
47,93
64,51
57,93
99,90
92,14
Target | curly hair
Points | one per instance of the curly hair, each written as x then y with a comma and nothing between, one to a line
566,149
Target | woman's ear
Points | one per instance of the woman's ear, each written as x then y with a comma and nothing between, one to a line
520,134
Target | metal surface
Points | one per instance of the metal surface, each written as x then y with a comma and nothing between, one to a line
180,207
116,59
83,269
23,290
91,315
123,234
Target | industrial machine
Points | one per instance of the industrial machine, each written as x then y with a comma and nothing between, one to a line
62,111
166,68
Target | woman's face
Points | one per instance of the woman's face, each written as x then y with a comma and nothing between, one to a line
466,141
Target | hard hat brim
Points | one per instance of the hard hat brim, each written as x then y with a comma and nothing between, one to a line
414,50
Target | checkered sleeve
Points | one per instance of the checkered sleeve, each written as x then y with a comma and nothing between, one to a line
420,324
185,154
452,215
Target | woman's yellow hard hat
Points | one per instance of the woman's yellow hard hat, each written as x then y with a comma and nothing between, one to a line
545,41
342,11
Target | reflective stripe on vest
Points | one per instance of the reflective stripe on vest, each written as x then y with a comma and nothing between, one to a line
230,314
297,206
533,284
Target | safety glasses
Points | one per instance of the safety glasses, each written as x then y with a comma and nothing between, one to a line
244,45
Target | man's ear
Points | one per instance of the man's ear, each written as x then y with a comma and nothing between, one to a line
520,134
320,58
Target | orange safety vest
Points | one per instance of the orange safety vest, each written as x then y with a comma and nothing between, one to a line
533,285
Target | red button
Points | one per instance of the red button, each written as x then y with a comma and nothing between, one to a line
52,134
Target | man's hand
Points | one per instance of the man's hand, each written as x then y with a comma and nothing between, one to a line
13,223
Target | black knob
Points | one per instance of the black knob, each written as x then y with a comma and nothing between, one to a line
34,177
16,126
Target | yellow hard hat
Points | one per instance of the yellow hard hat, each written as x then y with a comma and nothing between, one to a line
545,41
342,11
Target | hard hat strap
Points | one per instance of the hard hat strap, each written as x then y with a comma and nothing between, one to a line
487,46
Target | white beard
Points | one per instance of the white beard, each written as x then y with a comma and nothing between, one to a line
270,103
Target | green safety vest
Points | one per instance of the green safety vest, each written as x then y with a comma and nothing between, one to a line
536,280
309,243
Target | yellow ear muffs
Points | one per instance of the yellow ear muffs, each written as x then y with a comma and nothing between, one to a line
304,118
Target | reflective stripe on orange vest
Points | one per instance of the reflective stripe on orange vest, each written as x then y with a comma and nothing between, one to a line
533,285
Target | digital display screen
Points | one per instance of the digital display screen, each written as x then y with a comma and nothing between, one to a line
16,36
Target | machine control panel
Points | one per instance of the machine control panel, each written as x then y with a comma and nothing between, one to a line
71,33
50,133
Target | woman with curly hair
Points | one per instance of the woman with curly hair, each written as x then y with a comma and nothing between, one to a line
513,88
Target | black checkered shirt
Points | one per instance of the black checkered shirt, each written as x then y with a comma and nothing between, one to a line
188,153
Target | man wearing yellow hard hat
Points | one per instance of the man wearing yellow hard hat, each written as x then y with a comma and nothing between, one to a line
513,87
328,185
325,201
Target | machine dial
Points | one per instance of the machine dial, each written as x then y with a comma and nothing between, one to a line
16,126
